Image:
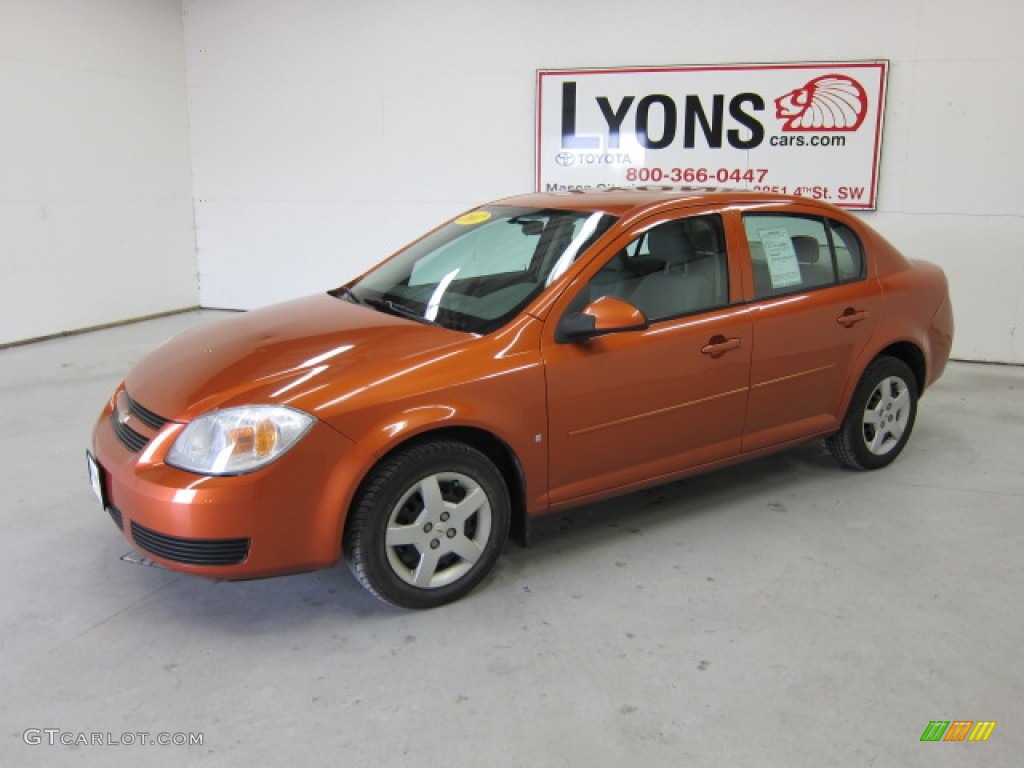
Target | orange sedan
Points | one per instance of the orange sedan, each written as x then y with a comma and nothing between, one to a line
539,352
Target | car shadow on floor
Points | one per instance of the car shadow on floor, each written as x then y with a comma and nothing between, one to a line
653,509
330,597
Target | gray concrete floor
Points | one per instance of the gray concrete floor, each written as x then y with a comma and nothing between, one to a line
781,613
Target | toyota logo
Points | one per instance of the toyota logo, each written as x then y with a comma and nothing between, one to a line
565,158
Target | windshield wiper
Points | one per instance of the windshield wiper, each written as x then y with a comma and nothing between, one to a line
400,310
348,293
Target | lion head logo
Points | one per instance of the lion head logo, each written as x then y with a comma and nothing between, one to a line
826,103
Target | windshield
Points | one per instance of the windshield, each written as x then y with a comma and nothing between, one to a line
477,272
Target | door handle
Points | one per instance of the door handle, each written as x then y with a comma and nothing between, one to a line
851,317
719,345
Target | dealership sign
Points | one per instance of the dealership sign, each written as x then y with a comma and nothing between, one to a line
805,129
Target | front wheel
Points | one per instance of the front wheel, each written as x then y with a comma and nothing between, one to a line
880,418
428,525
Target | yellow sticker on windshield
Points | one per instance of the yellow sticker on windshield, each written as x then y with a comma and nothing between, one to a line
474,217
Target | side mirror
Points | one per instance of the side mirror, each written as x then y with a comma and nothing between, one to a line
604,315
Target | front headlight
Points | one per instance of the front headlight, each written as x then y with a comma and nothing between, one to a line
238,440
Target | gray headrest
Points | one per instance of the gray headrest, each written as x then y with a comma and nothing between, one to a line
807,249
670,243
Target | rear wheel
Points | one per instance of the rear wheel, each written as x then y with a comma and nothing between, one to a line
428,524
880,418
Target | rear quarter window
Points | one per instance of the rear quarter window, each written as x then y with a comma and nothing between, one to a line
848,251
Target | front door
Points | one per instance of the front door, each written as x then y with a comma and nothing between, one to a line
632,407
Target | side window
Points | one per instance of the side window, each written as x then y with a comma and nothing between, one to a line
849,254
676,268
789,253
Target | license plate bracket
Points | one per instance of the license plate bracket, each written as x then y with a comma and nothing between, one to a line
96,479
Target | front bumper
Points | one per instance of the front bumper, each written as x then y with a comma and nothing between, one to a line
284,518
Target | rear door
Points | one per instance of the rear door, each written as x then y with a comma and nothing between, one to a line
814,312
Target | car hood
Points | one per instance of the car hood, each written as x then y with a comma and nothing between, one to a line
286,353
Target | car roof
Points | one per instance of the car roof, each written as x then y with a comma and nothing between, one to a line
621,201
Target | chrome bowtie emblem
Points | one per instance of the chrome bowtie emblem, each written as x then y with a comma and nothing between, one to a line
123,412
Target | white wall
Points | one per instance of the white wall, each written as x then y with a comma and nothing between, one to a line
326,134
95,180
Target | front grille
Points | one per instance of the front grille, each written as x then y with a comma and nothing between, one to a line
146,416
115,515
191,551
131,439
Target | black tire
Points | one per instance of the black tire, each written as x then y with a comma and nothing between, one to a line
428,524
880,418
